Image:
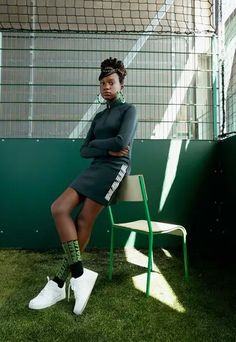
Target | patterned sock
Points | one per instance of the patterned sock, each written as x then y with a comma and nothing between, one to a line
62,273
72,250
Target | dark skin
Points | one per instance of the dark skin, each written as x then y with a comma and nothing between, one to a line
63,206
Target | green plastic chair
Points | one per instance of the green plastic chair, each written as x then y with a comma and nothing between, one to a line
133,189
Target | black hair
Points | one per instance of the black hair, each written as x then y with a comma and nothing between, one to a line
113,65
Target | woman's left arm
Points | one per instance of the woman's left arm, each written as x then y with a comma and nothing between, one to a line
124,136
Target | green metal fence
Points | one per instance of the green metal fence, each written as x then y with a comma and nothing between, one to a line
49,83
230,73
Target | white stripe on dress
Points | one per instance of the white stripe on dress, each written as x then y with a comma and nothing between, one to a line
116,182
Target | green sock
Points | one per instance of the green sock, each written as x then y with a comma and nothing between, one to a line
72,250
63,271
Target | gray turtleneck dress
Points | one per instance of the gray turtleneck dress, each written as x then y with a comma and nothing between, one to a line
112,129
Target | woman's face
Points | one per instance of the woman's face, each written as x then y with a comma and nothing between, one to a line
109,86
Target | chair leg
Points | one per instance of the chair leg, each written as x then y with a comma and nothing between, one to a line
150,259
111,254
185,258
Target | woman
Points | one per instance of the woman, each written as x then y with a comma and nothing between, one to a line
109,142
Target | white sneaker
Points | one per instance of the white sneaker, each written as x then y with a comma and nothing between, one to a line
50,294
82,288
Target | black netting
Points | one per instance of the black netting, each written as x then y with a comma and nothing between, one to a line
179,16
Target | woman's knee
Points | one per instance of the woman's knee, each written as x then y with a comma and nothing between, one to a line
58,209
65,203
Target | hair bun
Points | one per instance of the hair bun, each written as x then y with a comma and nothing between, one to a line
113,65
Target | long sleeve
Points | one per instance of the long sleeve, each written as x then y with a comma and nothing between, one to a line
124,136
87,151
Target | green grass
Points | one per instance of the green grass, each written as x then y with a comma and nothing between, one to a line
116,310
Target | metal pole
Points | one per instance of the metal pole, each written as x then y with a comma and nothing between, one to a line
31,76
0,65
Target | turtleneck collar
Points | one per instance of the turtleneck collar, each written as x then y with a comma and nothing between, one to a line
114,103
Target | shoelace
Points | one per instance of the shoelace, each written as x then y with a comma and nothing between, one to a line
68,292
43,290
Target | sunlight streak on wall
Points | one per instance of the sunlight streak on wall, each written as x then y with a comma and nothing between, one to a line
186,145
171,168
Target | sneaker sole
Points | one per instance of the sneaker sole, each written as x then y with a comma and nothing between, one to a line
32,307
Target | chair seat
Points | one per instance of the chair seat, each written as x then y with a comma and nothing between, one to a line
157,227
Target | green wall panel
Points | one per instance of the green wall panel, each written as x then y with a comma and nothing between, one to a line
34,172
191,198
226,231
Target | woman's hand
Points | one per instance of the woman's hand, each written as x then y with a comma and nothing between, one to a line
121,153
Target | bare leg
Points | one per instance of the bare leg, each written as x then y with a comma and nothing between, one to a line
71,241
61,211
54,290
83,286
86,219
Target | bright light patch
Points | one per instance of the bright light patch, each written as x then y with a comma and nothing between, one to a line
131,240
159,288
167,253
187,144
228,6
135,257
171,168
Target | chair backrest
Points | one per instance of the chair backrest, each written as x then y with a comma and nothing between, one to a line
132,189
